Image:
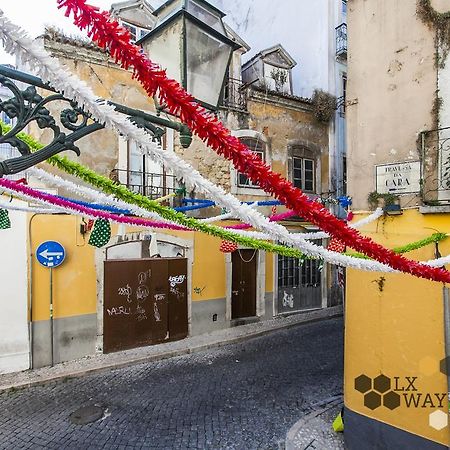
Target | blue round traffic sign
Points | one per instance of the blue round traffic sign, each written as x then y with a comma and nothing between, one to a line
50,254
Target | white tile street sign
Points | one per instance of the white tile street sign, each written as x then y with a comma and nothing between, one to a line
398,178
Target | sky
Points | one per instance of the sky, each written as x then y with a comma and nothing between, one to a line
34,15
40,13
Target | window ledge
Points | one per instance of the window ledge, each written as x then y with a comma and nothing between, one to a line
249,191
443,209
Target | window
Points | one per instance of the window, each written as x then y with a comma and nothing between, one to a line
303,174
277,79
258,147
135,31
344,87
292,272
344,7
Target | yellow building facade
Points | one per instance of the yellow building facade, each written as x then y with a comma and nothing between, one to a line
396,336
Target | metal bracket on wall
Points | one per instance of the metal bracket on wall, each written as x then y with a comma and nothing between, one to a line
70,124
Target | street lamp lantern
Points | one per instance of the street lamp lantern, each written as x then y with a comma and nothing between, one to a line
190,41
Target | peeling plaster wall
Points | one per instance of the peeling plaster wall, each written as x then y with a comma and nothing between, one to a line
391,88
100,150
283,122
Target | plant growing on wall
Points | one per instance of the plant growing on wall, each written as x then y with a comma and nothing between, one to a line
388,199
280,77
324,105
441,23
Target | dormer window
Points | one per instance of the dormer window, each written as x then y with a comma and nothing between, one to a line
271,70
277,79
135,31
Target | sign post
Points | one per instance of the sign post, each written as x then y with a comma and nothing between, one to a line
51,254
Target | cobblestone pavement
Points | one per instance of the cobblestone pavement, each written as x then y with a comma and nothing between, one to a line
242,396
315,432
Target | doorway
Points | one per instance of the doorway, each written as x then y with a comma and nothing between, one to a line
145,302
299,284
243,283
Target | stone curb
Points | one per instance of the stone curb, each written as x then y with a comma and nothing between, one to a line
304,421
63,371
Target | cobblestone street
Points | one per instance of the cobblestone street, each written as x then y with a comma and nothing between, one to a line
242,396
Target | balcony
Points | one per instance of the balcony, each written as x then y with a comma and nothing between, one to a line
341,42
435,170
235,95
151,185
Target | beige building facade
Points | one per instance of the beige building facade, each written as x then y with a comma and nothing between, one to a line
398,117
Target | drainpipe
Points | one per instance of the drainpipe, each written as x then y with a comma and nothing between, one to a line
30,291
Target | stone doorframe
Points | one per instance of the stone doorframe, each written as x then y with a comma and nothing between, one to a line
260,282
323,285
100,258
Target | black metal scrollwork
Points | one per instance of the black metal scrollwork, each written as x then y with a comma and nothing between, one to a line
27,106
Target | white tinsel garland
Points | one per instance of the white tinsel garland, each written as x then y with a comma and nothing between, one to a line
30,52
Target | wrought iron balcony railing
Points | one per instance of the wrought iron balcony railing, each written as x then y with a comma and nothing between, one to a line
235,95
435,168
152,185
341,41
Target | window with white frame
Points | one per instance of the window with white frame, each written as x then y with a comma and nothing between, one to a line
258,147
303,176
135,31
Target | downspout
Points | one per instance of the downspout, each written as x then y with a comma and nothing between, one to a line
30,292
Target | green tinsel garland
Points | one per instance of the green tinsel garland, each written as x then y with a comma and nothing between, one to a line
436,237
108,186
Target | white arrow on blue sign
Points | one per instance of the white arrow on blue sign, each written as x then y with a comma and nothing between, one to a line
50,254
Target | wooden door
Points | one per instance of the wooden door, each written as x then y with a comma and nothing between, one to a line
243,285
145,302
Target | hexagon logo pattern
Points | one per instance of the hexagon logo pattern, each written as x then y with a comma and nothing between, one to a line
438,420
377,392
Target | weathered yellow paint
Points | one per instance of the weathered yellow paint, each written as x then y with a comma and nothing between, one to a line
398,330
209,269
74,282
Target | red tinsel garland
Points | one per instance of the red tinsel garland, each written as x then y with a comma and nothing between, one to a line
108,34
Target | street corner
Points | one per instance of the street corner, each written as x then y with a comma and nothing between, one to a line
428,366
438,420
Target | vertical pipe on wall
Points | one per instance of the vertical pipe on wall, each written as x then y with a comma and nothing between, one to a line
51,316
30,292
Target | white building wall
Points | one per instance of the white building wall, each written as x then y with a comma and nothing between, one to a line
14,342
301,26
